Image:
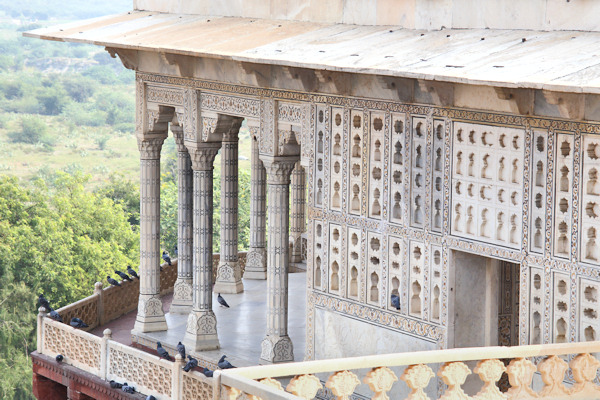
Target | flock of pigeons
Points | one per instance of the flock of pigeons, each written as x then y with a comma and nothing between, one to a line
192,362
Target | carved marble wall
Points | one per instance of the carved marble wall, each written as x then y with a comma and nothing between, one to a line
394,187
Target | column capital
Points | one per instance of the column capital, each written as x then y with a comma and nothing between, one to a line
203,155
279,169
150,146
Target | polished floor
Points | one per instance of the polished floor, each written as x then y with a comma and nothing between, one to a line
241,327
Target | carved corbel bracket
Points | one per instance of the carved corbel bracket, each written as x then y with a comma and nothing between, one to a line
129,58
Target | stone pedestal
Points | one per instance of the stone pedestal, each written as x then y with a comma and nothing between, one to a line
256,259
297,215
277,346
201,328
150,316
182,290
229,276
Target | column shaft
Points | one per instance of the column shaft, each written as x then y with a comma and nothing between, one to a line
277,346
150,316
229,277
182,291
297,219
256,260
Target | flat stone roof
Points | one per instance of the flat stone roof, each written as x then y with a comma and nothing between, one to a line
567,61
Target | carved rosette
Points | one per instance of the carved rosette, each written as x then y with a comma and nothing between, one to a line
417,378
150,147
490,372
276,349
342,384
380,380
305,386
228,272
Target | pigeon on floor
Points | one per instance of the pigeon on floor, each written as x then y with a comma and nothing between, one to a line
115,385
78,323
59,358
123,276
112,281
55,316
207,372
181,349
166,257
131,272
128,389
44,303
224,364
396,301
192,363
150,397
162,352
222,301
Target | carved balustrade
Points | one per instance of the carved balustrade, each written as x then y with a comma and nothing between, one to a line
556,363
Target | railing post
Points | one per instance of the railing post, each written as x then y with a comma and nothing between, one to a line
217,385
104,353
177,377
40,329
98,290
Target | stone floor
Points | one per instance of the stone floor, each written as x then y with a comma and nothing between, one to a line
241,328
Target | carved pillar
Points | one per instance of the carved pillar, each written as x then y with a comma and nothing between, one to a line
277,346
201,329
297,219
182,291
150,316
256,259
229,276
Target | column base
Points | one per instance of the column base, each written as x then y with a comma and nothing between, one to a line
201,331
296,250
150,316
229,279
256,264
276,349
182,296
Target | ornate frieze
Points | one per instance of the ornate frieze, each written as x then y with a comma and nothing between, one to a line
165,96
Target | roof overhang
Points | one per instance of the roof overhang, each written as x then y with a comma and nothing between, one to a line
563,61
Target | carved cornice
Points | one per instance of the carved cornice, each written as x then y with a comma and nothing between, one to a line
150,147
203,155
279,169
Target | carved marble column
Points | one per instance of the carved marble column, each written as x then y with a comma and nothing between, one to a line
297,219
182,291
150,316
256,259
277,346
201,328
229,276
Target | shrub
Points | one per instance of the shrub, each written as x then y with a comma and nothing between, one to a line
33,130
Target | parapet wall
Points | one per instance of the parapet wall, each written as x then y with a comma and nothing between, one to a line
413,14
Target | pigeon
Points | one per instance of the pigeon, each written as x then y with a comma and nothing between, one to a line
44,303
193,363
181,349
123,276
150,397
222,301
207,372
132,272
396,301
175,251
116,385
78,323
162,352
55,316
112,281
166,257
59,358
128,389
224,364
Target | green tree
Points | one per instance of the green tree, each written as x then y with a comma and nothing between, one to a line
32,131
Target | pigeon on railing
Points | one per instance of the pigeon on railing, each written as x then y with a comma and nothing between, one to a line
222,301
224,364
131,272
191,364
128,389
78,323
44,303
162,352
123,276
115,385
55,316
166,257
207,372
396,301
181,349
112,281
59,358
